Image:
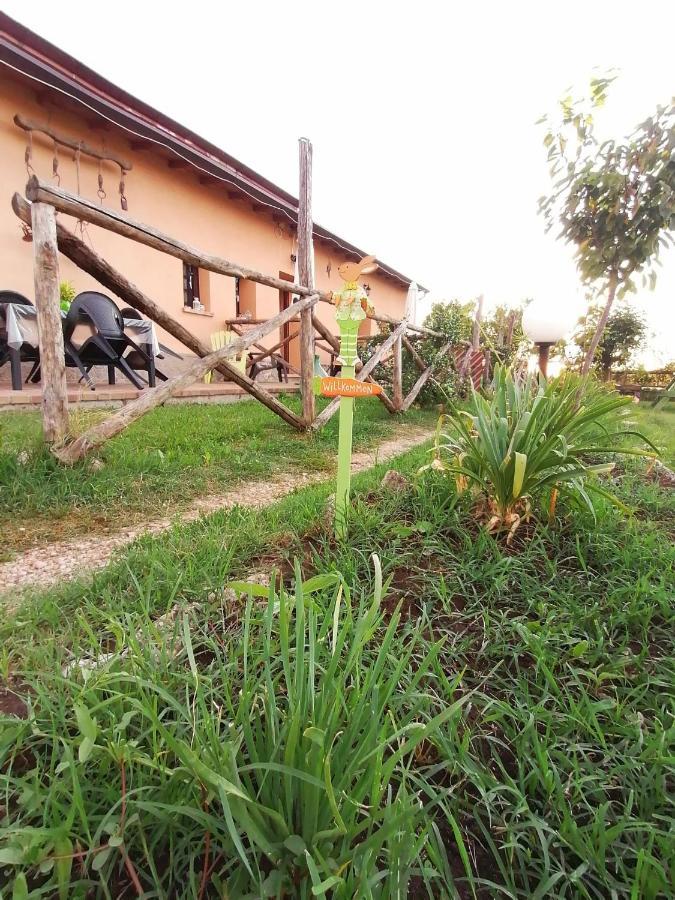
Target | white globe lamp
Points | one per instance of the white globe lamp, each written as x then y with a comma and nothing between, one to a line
546,322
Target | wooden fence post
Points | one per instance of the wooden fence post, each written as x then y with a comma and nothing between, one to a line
475,342
50,330
306,278
397,377
93,264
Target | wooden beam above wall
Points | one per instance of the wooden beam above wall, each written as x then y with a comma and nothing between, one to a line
139,144
120,223
177,163
207,180
63,140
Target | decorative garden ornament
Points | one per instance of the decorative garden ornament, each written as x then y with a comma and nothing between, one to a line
351,308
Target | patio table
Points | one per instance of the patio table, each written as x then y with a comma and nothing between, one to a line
22,328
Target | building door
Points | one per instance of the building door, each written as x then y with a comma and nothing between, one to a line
291,349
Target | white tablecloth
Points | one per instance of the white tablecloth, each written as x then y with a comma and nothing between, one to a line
22,328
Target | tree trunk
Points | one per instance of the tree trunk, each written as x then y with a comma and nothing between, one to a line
590,355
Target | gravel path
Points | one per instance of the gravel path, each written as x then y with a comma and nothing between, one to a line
65,560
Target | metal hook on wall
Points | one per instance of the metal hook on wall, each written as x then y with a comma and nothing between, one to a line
123,199
55,164
101,193
28,155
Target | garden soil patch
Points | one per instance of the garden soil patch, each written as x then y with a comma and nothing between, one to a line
11,703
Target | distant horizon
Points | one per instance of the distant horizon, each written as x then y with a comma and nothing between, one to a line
426,151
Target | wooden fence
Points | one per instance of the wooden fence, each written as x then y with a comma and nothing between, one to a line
50,237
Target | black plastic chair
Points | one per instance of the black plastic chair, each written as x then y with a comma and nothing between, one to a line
104,348
274,362
128,312
14,297
25,353
136,360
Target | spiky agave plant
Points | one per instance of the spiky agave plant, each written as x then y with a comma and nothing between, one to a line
525,441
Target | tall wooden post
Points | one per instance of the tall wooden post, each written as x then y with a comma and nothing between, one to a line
510,328
47,302
475,343
306,278
397,375
543,347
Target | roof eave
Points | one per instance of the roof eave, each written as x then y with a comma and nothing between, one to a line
34,57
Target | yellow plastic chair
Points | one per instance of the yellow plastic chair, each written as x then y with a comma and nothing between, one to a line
220,339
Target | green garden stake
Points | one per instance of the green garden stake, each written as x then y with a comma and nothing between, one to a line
351,304
349,330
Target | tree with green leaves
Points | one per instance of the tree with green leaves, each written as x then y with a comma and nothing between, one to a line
452,318
624,333
502,333
615,200
454,321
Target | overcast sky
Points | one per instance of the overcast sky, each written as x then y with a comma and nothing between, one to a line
422,115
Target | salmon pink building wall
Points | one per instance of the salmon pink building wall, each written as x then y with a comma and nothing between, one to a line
170,199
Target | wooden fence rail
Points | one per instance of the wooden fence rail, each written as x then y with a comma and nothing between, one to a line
47,197
118,421
96,266
424,377
386,345
119,223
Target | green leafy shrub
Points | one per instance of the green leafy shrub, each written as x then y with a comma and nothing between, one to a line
453,321
624,334
502,333
526,441
656,378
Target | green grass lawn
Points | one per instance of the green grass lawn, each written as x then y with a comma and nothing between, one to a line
659,426
498,724
160,463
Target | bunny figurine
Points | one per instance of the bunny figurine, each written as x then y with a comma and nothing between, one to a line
351,308
351,300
